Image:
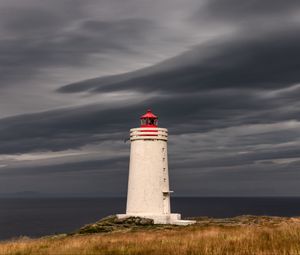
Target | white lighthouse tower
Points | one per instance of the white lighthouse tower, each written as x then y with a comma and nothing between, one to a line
148,185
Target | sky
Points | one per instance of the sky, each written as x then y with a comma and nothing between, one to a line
222,75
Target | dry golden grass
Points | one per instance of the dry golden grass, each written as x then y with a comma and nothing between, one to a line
282,238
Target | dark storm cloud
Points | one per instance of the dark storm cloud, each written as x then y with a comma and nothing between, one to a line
267,61
60,35
72,128
75,127
251,158
37,20
59,130
111,164
231,104
246,11
252,180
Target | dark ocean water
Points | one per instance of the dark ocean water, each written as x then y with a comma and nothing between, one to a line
36,217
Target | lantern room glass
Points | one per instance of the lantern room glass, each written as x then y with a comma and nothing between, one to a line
149,122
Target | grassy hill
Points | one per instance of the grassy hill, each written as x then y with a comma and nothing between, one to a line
240,235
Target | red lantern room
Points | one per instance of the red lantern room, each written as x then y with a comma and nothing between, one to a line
149,120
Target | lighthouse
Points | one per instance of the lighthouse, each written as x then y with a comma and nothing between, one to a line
148,193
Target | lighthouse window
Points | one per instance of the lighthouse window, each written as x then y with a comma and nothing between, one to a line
163,149
151,121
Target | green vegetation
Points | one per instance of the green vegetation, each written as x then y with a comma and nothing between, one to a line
112,223
245,235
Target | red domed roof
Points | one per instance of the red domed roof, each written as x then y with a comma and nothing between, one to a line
149,114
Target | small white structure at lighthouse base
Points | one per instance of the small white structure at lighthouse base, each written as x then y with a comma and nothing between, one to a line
148,184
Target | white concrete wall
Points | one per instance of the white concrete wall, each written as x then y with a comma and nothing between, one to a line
148,184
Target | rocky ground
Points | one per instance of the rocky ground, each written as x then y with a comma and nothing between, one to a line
113,224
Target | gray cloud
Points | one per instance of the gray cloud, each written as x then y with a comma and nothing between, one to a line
75,127
230,102
112,164
247,11
29,56
270,61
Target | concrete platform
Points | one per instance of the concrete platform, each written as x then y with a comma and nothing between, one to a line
173,218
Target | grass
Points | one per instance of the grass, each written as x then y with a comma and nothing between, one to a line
241,236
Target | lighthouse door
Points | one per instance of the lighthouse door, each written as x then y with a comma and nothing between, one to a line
166,202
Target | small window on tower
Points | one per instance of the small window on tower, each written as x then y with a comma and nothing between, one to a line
143,121
151,121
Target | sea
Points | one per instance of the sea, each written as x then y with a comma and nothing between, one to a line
35,217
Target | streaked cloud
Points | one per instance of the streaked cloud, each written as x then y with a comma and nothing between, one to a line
223,76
